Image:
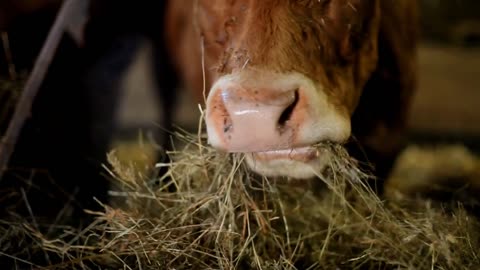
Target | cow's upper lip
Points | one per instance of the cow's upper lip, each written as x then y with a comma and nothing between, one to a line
302,154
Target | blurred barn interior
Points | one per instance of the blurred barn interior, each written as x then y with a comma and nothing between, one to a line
445,112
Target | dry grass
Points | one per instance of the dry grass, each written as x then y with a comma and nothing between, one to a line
220,216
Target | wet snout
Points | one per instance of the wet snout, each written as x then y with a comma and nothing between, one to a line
253,119
261,113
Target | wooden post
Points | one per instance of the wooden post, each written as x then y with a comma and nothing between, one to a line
66,17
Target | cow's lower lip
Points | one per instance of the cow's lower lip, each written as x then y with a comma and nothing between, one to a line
302,154
300,162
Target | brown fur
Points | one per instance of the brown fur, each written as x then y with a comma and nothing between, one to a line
361,51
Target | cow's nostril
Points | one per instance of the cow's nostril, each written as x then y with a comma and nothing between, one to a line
287,113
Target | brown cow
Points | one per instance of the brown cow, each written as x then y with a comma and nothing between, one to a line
283,75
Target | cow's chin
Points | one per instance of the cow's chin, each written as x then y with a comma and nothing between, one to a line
298,163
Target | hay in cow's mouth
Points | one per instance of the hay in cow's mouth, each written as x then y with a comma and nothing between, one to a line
220,216
298,162
303,154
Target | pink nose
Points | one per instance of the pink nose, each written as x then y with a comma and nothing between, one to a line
252,119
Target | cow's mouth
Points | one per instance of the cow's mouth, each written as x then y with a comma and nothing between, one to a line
299,162
301,154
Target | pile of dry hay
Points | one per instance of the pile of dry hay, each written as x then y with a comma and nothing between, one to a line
222,217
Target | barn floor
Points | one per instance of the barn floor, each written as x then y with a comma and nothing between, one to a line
223,218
